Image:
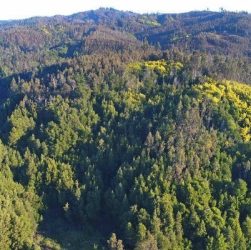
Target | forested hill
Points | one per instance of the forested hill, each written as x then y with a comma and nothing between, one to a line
126,131
25,44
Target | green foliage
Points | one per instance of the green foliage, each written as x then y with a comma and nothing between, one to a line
159,67
232,99
114,244
148,243
148,20
117,135
18,215
20,123
153,161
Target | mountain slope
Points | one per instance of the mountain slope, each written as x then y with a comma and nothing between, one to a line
25,44
126,131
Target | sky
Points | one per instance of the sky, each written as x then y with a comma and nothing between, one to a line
19,9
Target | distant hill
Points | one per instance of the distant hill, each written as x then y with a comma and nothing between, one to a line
25,44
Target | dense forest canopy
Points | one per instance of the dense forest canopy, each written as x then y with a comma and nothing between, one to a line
126,131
